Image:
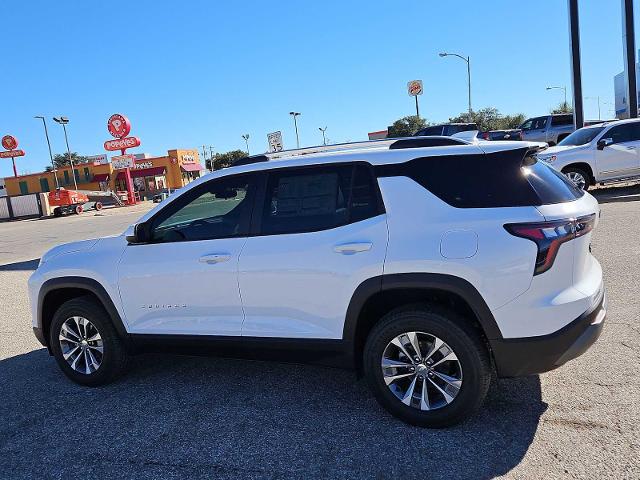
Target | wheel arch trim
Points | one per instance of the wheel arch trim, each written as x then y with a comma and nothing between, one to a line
91,286
420,281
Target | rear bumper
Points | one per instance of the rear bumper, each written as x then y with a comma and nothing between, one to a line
516,357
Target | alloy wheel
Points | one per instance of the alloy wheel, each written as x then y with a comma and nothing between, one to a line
421,370
81,344
578,179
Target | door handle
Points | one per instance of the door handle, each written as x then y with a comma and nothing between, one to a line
631,148
351,248
214,258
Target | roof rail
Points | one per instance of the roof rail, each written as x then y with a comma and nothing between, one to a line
389,143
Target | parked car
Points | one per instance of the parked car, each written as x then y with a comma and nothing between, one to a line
425,268
601,153
446,129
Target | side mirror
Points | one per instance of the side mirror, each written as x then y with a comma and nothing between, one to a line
141,234
604,142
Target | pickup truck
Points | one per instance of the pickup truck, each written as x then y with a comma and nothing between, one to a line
551,129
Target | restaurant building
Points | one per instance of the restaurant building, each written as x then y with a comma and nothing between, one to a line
150,175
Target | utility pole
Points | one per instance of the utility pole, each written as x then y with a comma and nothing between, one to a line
576,68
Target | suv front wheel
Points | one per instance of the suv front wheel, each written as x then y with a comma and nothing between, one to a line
427,366
85,344
579,177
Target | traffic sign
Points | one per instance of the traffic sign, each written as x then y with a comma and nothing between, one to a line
275,141
414,88
118,125
10,142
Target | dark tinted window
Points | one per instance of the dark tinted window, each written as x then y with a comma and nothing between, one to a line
483,181
430,131
453,129
218,209
537,123
627,132
318,198
581,136
562,120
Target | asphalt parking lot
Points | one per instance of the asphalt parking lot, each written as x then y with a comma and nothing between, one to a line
181,417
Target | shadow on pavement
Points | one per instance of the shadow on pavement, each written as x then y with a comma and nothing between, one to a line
25,265
629,193
183,417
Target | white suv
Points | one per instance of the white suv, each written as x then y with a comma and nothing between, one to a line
424,267
602,153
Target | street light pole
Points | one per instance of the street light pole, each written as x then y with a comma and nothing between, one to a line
295,123
561,88
246,141
468,60
324,138
63,121
46,134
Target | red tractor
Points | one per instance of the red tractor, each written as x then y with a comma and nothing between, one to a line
70,201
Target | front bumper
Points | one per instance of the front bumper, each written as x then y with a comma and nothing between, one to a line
516,357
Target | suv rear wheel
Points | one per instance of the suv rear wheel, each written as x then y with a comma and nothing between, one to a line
426,366
85,343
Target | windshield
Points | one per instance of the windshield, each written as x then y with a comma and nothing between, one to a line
581,137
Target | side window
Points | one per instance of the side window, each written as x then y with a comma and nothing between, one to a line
628,132
318,198
217,209
539,123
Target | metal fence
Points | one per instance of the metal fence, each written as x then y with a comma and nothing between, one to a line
21,206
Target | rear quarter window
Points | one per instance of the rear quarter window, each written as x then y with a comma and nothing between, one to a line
487,180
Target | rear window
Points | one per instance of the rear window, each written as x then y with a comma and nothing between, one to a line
562,120
487,181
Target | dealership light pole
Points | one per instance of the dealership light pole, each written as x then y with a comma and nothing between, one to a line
295,123
324,138
63,121
468,60
46,134
560,88
246,141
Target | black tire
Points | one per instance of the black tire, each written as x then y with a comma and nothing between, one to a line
465,342
576,170
57,212
114,358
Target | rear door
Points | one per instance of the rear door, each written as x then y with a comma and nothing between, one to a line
321,232
622,157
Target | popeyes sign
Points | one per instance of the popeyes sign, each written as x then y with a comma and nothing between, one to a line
119,127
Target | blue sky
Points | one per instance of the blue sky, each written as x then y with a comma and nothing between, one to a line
195,73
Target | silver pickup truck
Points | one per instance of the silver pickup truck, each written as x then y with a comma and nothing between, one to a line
549,128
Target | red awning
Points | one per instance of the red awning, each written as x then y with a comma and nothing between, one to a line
143,172
191,167
100,177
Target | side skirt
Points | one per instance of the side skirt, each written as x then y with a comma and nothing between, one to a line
333,353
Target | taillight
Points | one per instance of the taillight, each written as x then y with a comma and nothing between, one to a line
548,236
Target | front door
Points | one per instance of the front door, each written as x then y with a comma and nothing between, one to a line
322,231
622,157
185,280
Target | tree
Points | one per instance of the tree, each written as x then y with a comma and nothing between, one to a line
406,126
223,160
62,160
563,107
490,118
